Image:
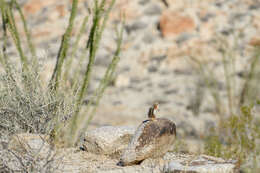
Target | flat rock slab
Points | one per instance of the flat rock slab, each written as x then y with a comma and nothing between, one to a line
198,164
108,140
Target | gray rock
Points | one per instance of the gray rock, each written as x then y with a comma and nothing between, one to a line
143,2
255,6
201,164
152,68
183,38
108,140
103,59
207,17
122,81
148,38
153,9
138,25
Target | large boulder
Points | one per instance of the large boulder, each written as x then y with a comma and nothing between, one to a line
108,140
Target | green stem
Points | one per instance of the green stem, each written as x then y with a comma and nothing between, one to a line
4,26
54,83
75,47
249,78
27,32
92,44
228,81
107,78
15,35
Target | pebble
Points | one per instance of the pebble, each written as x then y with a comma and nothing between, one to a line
138,25
153,9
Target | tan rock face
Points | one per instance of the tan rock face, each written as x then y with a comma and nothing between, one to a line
172,24
153,138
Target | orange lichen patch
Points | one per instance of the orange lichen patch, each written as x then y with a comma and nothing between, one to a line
172,24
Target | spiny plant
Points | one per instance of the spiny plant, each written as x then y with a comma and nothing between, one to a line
27,106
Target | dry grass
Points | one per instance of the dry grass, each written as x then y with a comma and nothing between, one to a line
237,132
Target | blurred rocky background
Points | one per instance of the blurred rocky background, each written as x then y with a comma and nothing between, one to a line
163,40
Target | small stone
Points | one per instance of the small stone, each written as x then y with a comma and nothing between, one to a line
164,85
122,81
159,58
183,37
153,9
207,17
148,38
182,72
143,2
108,140
171,91
138,25
152,68
136,81
102,59
254,6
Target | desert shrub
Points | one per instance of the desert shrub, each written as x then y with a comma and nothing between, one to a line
241,139
25,104
31,109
